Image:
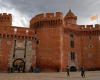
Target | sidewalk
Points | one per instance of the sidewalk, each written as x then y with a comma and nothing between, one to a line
89,75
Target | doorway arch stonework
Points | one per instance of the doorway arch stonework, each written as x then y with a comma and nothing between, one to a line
30,57
73,68
18,63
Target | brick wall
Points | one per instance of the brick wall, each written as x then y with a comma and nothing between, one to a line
49,49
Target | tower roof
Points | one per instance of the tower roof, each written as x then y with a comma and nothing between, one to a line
69,13
70,17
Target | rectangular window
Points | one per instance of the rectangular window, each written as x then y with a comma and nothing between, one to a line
72,35
90,55
72,44
73,55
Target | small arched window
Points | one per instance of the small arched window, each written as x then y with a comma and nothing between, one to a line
5,18
8,18
90,46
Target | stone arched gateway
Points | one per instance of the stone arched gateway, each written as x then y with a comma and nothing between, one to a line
73,68
20,63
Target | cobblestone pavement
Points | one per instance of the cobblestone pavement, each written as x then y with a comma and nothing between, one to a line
89,75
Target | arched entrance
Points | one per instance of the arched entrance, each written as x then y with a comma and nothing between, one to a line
19,63
72,68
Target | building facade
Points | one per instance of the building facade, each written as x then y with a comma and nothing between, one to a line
51,42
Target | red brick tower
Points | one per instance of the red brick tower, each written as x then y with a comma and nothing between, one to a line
71,43
48,31
6,19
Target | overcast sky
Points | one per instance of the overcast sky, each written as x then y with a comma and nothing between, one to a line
23,10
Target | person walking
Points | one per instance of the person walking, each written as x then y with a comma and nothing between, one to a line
31,69
18,69
93,69
68,70
58,69
22,69
8,69
11,69
82,71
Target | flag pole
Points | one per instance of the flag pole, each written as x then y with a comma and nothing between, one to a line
97,19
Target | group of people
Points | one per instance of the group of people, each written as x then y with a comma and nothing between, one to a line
19,69
82,71
12,69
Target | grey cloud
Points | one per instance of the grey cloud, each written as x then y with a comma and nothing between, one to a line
83,9
23,23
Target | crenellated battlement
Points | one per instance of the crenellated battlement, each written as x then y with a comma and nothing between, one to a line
17,32
82,27
90,30
47,18
89,27
5,19
83,30
5,16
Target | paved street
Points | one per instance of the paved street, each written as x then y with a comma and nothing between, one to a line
50,76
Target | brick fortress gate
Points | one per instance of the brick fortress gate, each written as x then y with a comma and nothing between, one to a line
51,42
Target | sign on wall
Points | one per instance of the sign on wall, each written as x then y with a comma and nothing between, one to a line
19,51
20,44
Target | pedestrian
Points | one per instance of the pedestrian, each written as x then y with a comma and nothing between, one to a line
93,69
22,69
11,69
18,69
8,69
82,71
68,70
31,70
58,69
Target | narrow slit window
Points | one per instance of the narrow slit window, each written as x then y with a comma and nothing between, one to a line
89,38
35,32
